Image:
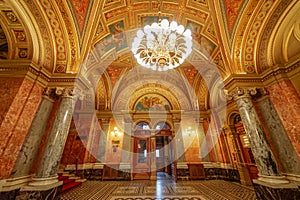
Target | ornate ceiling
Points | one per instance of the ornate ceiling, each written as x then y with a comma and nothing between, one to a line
233,36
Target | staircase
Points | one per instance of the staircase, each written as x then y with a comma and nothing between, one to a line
69,180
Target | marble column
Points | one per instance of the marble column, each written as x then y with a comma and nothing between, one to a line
265,161
46,173
34,137
204,152
285,151
103,141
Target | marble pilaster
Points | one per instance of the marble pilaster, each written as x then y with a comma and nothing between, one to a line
285,151
55,144
286,101
265,161
33,139
126,152
103,141
16,122
204,152
179,145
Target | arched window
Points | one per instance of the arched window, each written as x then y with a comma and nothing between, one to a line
142,126
162,126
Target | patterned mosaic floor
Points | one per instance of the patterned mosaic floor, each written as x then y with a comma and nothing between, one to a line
160,190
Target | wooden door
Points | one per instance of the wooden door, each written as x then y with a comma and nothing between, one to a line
141,159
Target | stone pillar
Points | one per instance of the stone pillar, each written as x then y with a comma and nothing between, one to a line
46,173
265,161
152,154
204,152
285,151
34,137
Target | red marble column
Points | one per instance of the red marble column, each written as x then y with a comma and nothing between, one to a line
287,104
19,104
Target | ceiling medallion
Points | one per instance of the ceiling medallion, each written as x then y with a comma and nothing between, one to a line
162,46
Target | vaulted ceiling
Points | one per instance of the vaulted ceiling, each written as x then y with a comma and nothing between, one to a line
232,36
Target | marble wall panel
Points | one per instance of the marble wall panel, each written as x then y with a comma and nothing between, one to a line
8,90
95,144
17,123
209,140
287,104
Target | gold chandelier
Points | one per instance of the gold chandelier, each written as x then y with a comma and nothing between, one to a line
162,46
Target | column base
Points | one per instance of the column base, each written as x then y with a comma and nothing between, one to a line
51,191
10,188
273,179
43,181
271,191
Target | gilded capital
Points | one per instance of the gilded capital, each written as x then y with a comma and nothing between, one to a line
64,92
49,93
242,93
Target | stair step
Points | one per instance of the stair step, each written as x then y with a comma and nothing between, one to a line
66,181
61,178
70,185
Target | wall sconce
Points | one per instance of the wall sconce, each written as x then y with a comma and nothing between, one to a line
115,141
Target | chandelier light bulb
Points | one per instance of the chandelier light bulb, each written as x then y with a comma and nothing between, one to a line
162,46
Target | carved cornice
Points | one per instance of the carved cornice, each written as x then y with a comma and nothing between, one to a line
262,80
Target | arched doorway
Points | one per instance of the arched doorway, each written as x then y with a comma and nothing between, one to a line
141,150
164,152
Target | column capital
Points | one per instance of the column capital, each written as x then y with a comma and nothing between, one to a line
239,92
49,93
64,92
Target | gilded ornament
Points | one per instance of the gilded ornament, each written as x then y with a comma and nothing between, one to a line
11,16
23,53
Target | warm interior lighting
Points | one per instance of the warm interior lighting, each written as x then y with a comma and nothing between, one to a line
162,46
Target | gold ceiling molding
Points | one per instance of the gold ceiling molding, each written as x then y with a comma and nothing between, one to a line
73,44
17,37
249,46
268,77
265,57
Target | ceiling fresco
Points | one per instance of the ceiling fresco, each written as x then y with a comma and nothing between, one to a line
229,35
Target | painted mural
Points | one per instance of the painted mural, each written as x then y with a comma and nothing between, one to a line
117,39
233,8
201,42
152,103
81,8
